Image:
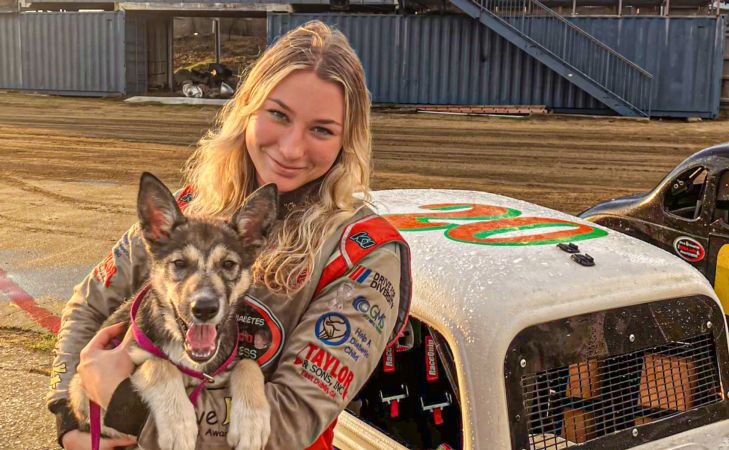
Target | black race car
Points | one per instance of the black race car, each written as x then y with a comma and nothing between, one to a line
686,214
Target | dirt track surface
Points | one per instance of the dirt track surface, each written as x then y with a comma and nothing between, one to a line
69,169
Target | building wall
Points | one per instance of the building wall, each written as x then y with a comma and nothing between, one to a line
455,60
67,53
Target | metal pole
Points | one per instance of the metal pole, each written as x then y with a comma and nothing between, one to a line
620,8
574,7
718,7
216,31
667,8
171,54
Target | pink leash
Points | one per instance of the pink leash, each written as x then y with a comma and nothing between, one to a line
146,344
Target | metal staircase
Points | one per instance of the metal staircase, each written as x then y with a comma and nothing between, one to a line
568,50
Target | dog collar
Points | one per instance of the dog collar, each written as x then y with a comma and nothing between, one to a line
146,344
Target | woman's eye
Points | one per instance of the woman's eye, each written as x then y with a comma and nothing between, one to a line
276,114
229,264
322,131
179,263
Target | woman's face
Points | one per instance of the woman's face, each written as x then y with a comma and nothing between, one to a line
296,135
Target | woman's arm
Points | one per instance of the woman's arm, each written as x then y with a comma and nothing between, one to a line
102,291
333,350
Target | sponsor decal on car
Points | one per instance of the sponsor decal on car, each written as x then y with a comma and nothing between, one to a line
261,335
359,345
325,370
332,329
486,225
378,282
689,249
370,311
363,239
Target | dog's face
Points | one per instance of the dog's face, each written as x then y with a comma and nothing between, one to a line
201,268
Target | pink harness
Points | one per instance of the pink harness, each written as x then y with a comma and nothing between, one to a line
146,344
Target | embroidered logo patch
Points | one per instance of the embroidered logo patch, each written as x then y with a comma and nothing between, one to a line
370,311
261,333
332,329
56,372
363,239
106,270
325,370
379,282
359,345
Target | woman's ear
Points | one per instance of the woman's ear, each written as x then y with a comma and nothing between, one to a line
253,221
157,209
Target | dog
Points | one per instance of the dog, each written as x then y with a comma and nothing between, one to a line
200,270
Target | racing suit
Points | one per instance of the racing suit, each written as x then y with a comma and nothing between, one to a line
316,350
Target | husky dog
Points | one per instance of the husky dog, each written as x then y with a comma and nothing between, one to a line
199,273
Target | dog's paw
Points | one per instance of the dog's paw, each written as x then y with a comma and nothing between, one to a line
178,429
250,425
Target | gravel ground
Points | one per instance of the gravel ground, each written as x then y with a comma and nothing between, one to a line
25,423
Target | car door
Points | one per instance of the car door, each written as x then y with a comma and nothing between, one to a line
718,255
686,216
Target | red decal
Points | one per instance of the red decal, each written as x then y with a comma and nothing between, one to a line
430,221
431,364
480,224
689,249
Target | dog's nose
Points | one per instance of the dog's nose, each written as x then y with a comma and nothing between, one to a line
205,308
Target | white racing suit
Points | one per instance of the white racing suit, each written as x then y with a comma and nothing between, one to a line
360,283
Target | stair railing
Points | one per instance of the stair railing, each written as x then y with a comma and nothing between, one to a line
576,47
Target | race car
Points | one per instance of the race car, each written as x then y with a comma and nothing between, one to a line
686,214
533,329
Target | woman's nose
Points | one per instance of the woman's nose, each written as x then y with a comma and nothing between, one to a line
293,143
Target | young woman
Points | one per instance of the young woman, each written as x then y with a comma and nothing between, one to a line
333,272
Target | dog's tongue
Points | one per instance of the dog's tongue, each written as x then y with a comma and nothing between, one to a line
201,338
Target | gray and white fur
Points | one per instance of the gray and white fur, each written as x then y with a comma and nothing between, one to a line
200,270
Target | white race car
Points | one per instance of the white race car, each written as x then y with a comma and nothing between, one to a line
533,329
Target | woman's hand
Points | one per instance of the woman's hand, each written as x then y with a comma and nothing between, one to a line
102,369
78,440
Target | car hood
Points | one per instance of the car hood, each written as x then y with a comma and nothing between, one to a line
620,206
479,278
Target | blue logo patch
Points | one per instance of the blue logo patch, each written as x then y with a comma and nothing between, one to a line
363,239
332,329
371,311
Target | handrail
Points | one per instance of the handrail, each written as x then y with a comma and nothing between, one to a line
570,43
598,42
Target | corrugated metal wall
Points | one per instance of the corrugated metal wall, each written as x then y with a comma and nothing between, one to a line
455,60
10,65
68,52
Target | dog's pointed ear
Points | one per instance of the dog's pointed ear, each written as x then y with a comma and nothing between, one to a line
253,221
157,209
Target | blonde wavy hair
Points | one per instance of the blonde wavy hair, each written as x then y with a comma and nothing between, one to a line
222,175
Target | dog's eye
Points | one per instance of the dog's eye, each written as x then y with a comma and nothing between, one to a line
229,264
179,263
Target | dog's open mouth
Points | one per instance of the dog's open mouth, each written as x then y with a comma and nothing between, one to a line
201,341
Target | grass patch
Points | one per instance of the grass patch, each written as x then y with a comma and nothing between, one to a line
44,342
